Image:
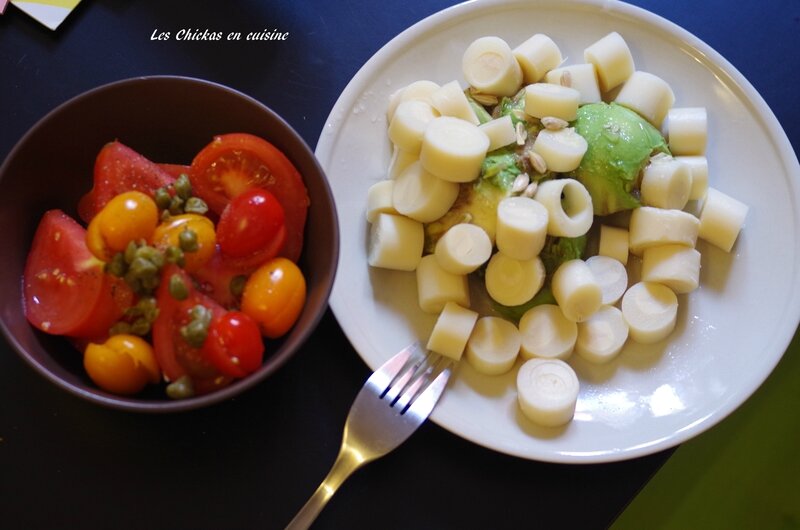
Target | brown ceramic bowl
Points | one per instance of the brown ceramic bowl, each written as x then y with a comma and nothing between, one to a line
168,119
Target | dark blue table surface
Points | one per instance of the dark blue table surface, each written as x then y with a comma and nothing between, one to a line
252,462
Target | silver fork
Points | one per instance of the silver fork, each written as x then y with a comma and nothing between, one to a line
391,405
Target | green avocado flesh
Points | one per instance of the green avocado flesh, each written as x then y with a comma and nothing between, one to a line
477,201
556,251
620,143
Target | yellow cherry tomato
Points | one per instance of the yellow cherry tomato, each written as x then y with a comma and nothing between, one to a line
124,364
193,227
274,296
130,216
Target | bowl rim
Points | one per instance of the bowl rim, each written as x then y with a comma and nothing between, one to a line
275,361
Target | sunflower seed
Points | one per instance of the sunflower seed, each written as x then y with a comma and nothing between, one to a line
520,183
522,133
520,114
530,190
659,157
553,124
487,100
537,162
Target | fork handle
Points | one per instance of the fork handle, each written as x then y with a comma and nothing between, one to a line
346,462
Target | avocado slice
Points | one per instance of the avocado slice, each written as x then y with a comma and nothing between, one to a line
477,201
620,143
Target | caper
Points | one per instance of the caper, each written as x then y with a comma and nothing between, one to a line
201,313
149,283
178,288
174,255
183,186
147,303
147,307
130,252
181,388
140,327
158,258
117,265
120,328
195,333
151,254
133,282
142,268
237,285
162,198
188,240
176,205
165,216
195,205
151,314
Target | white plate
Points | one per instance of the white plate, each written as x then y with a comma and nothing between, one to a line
731,332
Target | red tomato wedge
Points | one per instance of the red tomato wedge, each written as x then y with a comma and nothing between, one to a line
86,207
175,170
174,355
65,290
234,163
214,278
117,169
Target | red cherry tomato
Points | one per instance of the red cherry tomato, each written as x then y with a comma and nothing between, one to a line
234,163
234,344
65,290
250,223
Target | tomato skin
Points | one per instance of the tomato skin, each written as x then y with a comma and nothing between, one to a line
118,169
168,233
207,386
175,356
214,279
86,207
274,296
250,223
124,364
130,216
234,163
234,344
174,170
65,291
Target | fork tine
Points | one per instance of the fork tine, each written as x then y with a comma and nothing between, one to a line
410,372
422,404
372,428
422,378
394,388
388,371
403,374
